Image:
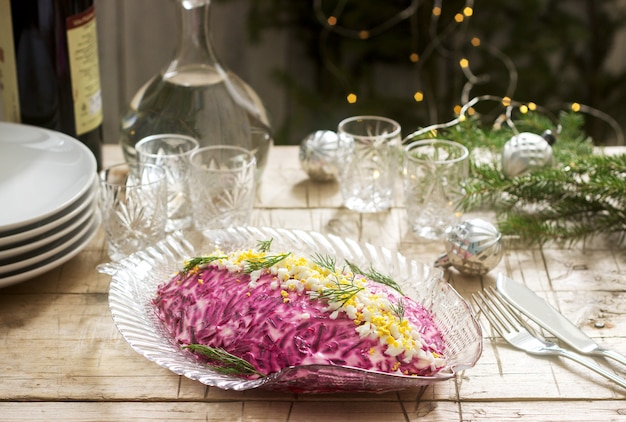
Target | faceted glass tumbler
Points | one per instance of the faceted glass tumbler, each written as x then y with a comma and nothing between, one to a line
369,148
133,207
222,186
434,174
171,152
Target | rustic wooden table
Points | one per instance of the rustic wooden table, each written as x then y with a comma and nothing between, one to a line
63,359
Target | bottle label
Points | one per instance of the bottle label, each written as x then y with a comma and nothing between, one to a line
82,46
9,94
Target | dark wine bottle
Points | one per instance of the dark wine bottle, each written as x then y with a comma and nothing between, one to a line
49,70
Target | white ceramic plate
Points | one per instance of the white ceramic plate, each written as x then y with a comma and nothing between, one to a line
51,225
17,263
48,264
135,280
32,246
42,172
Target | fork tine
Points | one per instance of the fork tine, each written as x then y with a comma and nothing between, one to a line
489,312
501,315
497,311
511,315
503,309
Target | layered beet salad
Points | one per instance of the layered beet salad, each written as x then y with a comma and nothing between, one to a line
253,312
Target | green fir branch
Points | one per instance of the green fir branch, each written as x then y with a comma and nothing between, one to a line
581,196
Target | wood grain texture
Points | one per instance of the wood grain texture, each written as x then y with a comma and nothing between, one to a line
62,357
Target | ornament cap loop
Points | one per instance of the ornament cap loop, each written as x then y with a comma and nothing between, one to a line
549,137
443,261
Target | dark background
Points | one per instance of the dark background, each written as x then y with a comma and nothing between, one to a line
550,52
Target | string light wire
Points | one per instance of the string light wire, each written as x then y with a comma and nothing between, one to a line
599,114
325,20
331,25
510,105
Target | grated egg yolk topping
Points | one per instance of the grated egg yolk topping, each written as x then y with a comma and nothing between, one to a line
373,314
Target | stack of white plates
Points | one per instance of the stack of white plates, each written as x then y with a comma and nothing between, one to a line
48,194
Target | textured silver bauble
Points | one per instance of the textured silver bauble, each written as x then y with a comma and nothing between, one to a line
319,156
473,247
524,152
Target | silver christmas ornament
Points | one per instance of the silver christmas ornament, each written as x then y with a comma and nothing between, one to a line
525,152
319,157
473,247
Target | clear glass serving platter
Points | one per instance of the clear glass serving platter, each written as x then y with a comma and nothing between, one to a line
135,280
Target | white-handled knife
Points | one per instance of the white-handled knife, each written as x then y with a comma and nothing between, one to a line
541,312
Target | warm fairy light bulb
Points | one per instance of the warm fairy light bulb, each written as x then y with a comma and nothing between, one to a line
575,107
418,96
468,11
414,57
471,111
462,118
532,106
506,101
459,17
364,34
475,41
332,21
464,63
523,109
351,98
436,11
457,109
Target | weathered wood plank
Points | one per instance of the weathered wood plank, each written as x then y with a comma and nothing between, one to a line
63,358
546,411
312,411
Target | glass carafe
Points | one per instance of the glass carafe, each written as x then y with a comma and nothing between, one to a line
196,95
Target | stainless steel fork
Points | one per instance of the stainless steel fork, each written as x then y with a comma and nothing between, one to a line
506,322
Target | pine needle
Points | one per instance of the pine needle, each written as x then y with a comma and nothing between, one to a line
581,196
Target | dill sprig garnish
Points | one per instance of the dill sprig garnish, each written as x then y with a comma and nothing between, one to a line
254,264
353,267
341,292
227,363
199,260
376,276
264,245
325,261
399,308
